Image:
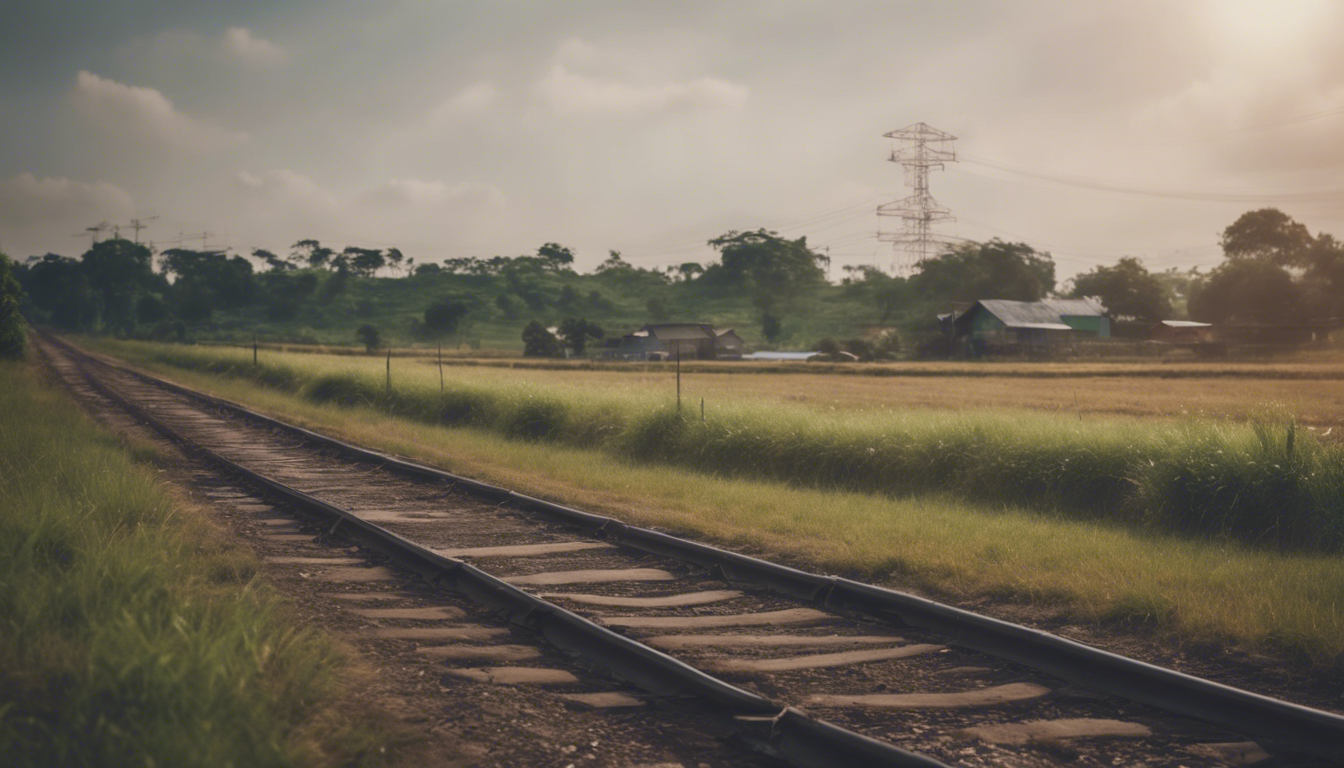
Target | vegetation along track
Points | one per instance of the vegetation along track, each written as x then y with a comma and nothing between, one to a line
898,680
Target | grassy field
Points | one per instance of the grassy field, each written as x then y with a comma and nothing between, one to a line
1186,588
131,631
1266,482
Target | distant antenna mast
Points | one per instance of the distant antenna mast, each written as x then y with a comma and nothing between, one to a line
93,232
139,224
923,148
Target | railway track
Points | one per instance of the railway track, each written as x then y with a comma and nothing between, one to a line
810,669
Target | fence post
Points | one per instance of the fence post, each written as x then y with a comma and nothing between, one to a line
254,350
440,366
678,377
389,370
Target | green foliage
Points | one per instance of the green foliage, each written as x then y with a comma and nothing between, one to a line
1267,234
12,334
370,337
444,317
1126,290
1247,290
767,266
575,333
771,327
539,342
974,271
130,633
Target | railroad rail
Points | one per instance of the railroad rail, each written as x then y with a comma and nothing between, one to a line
687,619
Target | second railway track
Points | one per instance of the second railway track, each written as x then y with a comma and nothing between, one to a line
813,669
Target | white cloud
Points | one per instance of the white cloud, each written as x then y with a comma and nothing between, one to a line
415,193
472,100
146,114
284,186
33,209
569,93
240,43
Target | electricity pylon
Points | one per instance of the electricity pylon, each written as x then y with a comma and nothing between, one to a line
923,148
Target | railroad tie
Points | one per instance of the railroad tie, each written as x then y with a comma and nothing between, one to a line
592,576
821,660
516,675
768,618
982,697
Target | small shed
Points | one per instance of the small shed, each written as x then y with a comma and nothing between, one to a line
999,325
1181,332
668,340
727,344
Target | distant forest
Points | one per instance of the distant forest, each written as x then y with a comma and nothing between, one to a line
771,289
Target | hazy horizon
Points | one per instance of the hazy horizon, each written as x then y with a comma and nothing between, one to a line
1089,131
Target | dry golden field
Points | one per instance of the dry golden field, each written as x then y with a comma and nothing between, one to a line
1314,392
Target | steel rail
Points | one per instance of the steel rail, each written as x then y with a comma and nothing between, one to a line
1279,726
771,728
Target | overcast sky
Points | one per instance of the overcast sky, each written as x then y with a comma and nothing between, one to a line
1090,130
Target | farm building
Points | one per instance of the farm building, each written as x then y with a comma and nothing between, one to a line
1181,332
998,326
729,345
663,341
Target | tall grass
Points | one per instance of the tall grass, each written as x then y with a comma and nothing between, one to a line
1262,482
129,633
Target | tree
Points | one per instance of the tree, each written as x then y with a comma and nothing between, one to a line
1267,234
575,332
770,326
398,260
275,263
539,342
767,265
364,262
689,270
657,309
312,252
12,336
828,347
991,270
1247,290
508,306
369,336
444,316
427,269
118,271
1126,289
556,256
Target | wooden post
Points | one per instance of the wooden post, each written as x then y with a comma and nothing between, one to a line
440,366
389,370
702,410
678,377
254,350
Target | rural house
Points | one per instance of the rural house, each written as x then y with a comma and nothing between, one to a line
999,326
694,341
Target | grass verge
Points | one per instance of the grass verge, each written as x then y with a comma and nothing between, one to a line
1223,593
1264,483
131,631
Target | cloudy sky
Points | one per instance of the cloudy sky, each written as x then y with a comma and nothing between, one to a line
1091,130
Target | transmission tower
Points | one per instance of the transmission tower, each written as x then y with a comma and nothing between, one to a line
922,149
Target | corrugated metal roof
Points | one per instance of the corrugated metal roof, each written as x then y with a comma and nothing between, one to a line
1185,324
679,331
1044,326
1023,314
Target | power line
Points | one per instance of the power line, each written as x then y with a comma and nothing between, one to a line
1101,185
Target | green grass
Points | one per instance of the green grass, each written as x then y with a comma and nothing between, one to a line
1264,483
1185,590
131,631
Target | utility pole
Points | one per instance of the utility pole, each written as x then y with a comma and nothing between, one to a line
93,232
924,148
138,224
